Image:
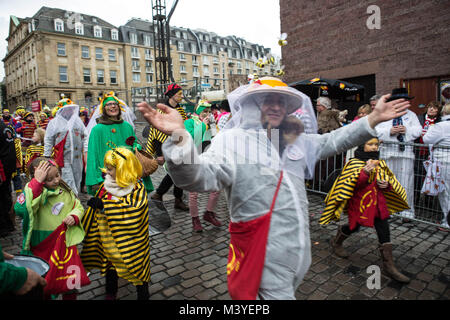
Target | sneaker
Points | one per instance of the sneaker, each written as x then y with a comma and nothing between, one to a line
196,224
444,226
211,218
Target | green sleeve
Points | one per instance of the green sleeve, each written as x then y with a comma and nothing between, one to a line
94,158
189,125
22,211
11,278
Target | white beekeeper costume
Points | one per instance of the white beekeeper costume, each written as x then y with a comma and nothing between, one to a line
67,120
244,163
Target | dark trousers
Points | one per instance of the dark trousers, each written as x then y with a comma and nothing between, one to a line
381,227
5,205
165,185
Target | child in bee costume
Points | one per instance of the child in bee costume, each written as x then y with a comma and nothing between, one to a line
117,225
369,192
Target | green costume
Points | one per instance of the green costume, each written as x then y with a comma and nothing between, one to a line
196,127
43,214
106,134
101,135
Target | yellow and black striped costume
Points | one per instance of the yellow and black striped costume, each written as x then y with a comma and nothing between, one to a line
118,237
344,187
18,149
31,151
156,135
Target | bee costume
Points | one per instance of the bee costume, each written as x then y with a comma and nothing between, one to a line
358,194
117,226
344,187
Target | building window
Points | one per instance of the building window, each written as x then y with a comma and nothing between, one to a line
97,31
63,74
147,41
149,77
114,34
99,53
87,75
193,48
79,29
180,46
59,25
148,66
133,38
112,54
61,49
148,54
182,68
100,76
135,65
134,52
136,77
113,76
85,52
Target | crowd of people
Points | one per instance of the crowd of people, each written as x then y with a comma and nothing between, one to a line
400,149
258,147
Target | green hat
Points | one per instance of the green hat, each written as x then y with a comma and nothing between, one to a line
202,105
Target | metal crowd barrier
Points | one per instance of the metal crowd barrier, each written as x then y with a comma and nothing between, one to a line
427,209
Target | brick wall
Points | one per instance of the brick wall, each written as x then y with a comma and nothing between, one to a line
331,39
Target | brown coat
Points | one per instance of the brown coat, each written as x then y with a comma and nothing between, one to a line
328,120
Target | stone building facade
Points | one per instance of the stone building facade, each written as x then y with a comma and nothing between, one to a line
59,52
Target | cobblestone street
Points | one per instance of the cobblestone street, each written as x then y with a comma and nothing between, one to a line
188,265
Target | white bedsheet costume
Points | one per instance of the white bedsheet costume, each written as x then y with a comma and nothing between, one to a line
67,120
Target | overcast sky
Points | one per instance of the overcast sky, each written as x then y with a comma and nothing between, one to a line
257,21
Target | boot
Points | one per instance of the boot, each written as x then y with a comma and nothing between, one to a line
156,196
388,263
336,244
196,224
142,292
210,217
179,204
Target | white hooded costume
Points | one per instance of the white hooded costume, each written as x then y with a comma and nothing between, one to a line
67,120
244,163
